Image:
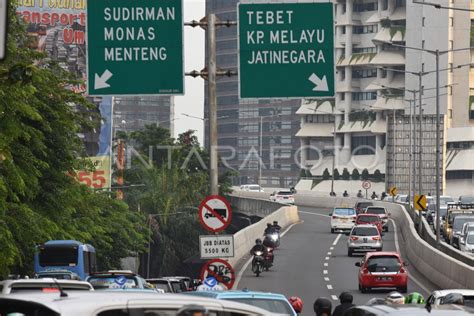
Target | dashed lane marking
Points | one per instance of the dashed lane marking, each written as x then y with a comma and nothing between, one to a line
337,240
331,248
325,264
327,258
317,214
325,271
329,286
326,279
334,298
329,253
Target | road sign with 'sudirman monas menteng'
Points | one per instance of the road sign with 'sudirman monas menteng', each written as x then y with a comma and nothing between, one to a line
286,50
135,47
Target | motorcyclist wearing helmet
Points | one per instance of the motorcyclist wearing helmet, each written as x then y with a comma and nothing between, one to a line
453,298
374,196
258,247
322,307
415,298
394,298
359,194
269,230
345,194
296,303
276,227
346,299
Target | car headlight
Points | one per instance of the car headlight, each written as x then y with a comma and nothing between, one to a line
274,237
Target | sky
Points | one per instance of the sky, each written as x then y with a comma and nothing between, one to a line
192,102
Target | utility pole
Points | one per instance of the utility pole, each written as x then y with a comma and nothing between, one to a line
212,99
420,133
438,153
260,153
210,23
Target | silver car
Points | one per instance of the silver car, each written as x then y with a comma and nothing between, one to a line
364,238
467,244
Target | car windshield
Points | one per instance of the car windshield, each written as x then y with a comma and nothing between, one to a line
383,264
364,204
368,219
273,306
344,211
376,210
365,231
470,239
445,200
254,187
114,282
161,285
284,193
459,222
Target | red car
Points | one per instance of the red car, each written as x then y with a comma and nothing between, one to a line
369,219
382,270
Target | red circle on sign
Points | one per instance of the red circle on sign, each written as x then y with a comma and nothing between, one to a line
224,275
366,185
204,206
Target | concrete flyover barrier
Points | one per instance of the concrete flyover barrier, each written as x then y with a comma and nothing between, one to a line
244,240
441,269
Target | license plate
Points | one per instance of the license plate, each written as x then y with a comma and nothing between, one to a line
344,220
385,279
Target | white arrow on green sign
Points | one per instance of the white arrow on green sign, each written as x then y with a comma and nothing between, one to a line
135,47
286,50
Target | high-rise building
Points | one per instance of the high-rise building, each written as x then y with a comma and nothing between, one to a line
239,120
133,113
374,93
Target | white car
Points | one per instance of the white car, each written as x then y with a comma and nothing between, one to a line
42,285
436,296
244,187
114,303
342,218
466,245
284,196
254,188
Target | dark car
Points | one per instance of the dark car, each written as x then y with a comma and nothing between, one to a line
408,310
361,206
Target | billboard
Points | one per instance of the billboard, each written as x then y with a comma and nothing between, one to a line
58,28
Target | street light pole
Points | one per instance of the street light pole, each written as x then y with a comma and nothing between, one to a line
420,134
260,153
438,158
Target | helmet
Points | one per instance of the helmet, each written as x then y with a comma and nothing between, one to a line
346,297
258,241
415,298
453,298
375,301
296,303
394,298
269,225
322,305
275,222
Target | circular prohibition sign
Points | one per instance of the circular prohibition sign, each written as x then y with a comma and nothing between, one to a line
221,270
215,213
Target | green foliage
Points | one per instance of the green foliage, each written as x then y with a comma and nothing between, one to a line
385,23
355,174
39,146
365,174
361,56
326,174
336,175
472,36
378,176
345,174
395,29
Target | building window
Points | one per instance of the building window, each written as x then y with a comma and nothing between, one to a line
364,73
344,9
450,113
459,174
358,50
343,74
400,3
360,6
423,21
423,44
363,145
319,118
361,96
451,21
364,29
471,113
383,73
343,96
343,30
385,5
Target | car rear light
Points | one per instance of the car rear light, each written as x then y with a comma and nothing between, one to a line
402,270
354,238
376,238
334,217
365,271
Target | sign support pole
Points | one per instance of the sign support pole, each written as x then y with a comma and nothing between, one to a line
212,97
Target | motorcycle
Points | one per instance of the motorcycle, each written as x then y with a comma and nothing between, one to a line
268,263
258,263
272,240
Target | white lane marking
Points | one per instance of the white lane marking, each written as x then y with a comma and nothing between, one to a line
337,239
331,248
317,214
245,266
334,298
326,279
329,253
327,258
325,264
325,271
329,286
395,229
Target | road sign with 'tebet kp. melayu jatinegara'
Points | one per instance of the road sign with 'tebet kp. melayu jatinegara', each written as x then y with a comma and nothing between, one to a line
286,50
135,47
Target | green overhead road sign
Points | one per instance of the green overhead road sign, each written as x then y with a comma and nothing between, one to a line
286,50
135,47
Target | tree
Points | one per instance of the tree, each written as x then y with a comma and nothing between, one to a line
355,174
326,174
365,174
345,174
377,176
336,174
39,146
